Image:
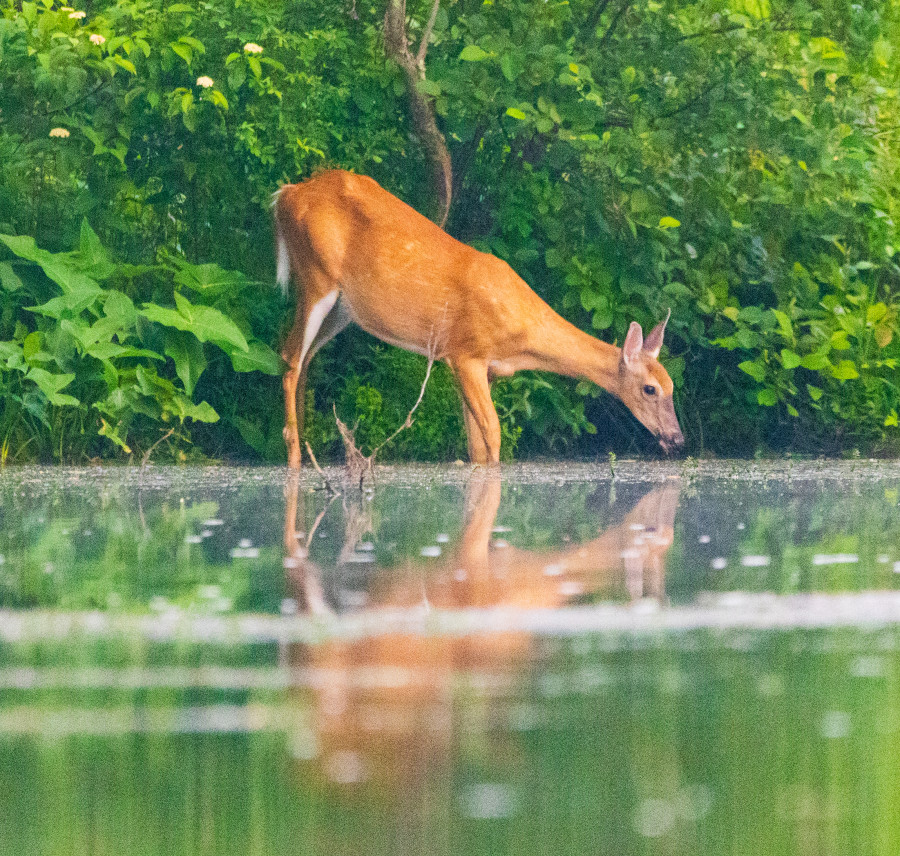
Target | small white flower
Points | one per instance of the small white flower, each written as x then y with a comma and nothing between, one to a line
78,15
97,39
204,81
59,132
253,48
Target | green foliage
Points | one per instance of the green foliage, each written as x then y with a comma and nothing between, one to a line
731,161
90,362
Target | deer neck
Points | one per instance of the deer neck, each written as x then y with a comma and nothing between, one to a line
562,348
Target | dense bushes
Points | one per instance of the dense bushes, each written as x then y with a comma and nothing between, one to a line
730,161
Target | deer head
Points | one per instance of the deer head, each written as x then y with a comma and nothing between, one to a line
645,386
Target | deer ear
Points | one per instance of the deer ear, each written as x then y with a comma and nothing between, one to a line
653,342
633,343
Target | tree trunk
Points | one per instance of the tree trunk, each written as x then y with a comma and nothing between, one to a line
421,106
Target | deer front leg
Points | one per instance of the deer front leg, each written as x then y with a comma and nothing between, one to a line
474,437
481,416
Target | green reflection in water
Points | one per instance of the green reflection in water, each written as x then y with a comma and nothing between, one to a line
749,743
385,737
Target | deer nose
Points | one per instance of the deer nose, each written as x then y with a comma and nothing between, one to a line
672,443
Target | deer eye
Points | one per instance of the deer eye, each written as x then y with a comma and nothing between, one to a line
649,389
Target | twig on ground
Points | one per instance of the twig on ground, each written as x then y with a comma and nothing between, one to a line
357,464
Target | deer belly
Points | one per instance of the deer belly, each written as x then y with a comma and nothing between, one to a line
399,323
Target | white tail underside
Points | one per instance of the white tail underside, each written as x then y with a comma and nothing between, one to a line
283,274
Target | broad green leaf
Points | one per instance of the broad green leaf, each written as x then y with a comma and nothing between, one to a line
57,266
845,370
196,44
218,99
510,66
91,250
183,51
839,341
210,278
875,313
150,383
789,359
251,434
209,324
429,87
112,433
206,323
472,53
814,392
815,362
127,64
119,306
784,323
11,353
669,223
51,384
767,397
516,113
184,408
756,370
8,279
187,353
110,350
260,357
31,345
73,303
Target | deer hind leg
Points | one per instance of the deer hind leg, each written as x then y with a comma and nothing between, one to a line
482,424
317,322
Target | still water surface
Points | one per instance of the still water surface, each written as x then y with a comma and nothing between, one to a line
681,659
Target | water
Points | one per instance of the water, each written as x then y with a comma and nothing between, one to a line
688,658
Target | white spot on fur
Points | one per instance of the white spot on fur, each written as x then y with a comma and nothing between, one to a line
314,322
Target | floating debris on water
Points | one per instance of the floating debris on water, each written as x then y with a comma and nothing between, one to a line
488,801
835,559
835,725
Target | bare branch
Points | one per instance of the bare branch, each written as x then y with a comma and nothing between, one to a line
423,45
146,459
318,520
409,420
614,23
703,93
595,16
318,469
357,465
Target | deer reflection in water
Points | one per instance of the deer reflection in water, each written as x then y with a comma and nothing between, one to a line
385,710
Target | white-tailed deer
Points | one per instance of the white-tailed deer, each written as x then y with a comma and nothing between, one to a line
360,254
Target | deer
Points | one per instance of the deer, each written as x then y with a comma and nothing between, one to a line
358,254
